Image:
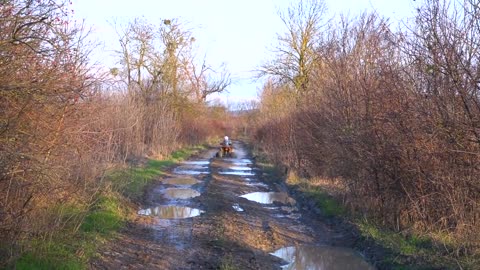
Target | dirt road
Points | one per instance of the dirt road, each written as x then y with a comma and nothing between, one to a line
212,213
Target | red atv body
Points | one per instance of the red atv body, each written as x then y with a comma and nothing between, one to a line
226,150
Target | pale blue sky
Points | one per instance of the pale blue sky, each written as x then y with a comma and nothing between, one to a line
239,33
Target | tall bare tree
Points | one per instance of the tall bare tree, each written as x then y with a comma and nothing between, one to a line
205,80
295,53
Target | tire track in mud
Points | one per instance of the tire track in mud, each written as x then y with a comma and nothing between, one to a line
231,231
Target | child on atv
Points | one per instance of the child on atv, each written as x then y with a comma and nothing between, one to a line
226,149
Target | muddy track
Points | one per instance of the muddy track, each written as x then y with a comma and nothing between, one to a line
194,218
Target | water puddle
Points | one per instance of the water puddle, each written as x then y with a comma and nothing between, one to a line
177,233
321,257
197,162
240,168
238,173
171,212
181,181
181,193
237,207
242,162
190,171
269,197
257,184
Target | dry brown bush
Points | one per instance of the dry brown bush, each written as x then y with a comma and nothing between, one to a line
61,126
396,117
46,152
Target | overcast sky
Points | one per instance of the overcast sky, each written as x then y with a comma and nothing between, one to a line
239,33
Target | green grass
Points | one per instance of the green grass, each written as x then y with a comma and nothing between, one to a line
32,262
106,217
411,245
329,206
406,249
410,251
132,182
184,153
72,249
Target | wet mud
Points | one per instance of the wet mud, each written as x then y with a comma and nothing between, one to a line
225,213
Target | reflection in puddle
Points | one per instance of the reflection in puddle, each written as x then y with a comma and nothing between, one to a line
257,184
237,207
181,193
321,257
239,173
180,181
171,212
197,162
240,168
188,172
269,197
242,161
177,233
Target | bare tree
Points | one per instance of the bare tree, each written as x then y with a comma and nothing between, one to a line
295,53
203,79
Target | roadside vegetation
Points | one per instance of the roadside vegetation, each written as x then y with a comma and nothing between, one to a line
72,248
374,123
78,143
388,119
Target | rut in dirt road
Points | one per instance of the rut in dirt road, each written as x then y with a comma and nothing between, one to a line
213,213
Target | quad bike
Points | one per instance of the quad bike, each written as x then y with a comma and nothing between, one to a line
226,150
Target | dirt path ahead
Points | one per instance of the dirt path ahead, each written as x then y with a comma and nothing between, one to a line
224,214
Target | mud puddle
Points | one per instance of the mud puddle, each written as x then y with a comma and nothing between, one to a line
237,173
184,171
269,197
192,168
257,184
237,208
180,181
180,193
171,212
240,168
218,228
176,233
321,257
202,163
242,161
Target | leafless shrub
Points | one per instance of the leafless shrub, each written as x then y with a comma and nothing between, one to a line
45,86
396,116
61,127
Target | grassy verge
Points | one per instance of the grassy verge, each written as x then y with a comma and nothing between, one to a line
74,245
88,226
416,251
400,250
329,206
131,182
412,250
